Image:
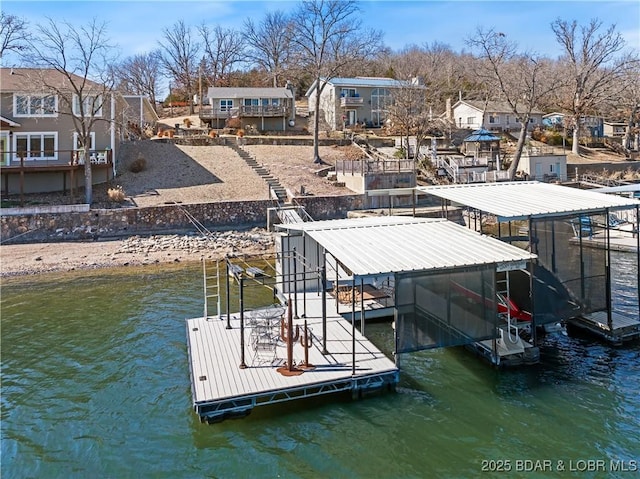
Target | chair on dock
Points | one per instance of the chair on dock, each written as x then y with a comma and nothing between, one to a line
265,333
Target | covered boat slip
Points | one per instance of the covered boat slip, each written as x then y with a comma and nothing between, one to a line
572,232
449,284
225,383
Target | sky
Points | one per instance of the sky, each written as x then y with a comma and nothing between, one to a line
136,26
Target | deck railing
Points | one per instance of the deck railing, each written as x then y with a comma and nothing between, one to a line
256,111
360,167
56,158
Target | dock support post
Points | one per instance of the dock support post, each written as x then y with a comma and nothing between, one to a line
295,284
353,324
226,262
638,255
608,274
323,282
242,363
362,306
304,277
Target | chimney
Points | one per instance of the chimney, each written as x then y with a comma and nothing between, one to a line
448,110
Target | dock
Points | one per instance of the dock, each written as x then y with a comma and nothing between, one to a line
623,328
222,388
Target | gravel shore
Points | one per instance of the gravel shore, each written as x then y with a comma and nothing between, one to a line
27,259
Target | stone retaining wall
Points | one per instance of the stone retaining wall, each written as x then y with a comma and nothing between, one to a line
32,227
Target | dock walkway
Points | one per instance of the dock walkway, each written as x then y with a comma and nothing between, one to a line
222,389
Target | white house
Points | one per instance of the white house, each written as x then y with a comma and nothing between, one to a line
497,116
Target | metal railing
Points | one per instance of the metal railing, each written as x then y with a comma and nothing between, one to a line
22,159
244,111
361,167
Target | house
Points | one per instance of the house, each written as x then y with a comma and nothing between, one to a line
140,114
349,101
590,125
497,116
614,128
39,144
262,109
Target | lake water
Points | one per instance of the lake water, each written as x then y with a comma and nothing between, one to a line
103,391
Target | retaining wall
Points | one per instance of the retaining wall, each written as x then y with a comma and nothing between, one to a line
40,225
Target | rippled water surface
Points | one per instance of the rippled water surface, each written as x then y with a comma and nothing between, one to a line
95,383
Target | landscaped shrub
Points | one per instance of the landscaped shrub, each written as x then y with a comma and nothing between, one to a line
116,194
138,165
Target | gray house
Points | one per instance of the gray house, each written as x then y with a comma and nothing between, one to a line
38,140
263,109
349,101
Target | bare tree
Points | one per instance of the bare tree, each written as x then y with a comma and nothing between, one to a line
81,56
223,49
592,67
140,75
519,79
327,37
13,34
269,43
179,57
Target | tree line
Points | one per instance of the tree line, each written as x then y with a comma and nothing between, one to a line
595,72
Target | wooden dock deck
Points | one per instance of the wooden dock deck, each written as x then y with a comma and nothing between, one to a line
624,328
222,389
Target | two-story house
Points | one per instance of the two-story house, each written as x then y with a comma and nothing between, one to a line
497,116
349,101
263,109
40,151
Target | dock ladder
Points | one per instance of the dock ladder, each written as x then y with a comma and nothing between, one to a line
211,280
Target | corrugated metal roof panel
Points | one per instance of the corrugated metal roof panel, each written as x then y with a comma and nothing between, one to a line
517,200
355,223
375,247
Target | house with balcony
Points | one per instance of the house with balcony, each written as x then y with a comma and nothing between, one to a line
39,147
496,116
590,125
262,109
345,102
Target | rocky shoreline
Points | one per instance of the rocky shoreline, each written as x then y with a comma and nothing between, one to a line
35,258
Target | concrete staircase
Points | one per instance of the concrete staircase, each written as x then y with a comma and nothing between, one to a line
276,190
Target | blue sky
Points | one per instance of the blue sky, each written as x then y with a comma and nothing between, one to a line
136,26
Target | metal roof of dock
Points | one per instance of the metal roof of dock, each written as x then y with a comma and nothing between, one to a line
379,245
524,199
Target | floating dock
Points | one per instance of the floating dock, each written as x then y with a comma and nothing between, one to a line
222,388
623,328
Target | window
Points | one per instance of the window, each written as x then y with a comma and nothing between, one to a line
348,92
251,102
380,101
226,105
33,146
35,105
471,120
275,101
76,145
91,105
494,119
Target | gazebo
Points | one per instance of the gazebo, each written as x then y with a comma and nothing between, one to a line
482,144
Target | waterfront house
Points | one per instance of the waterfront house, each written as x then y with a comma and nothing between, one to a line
590,125
345,102
263,109
615,129
496,116
38,137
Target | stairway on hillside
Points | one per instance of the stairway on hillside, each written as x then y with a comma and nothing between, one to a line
274,185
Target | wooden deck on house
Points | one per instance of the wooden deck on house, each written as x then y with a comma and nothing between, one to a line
222,389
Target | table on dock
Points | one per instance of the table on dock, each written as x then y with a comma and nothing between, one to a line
221,388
